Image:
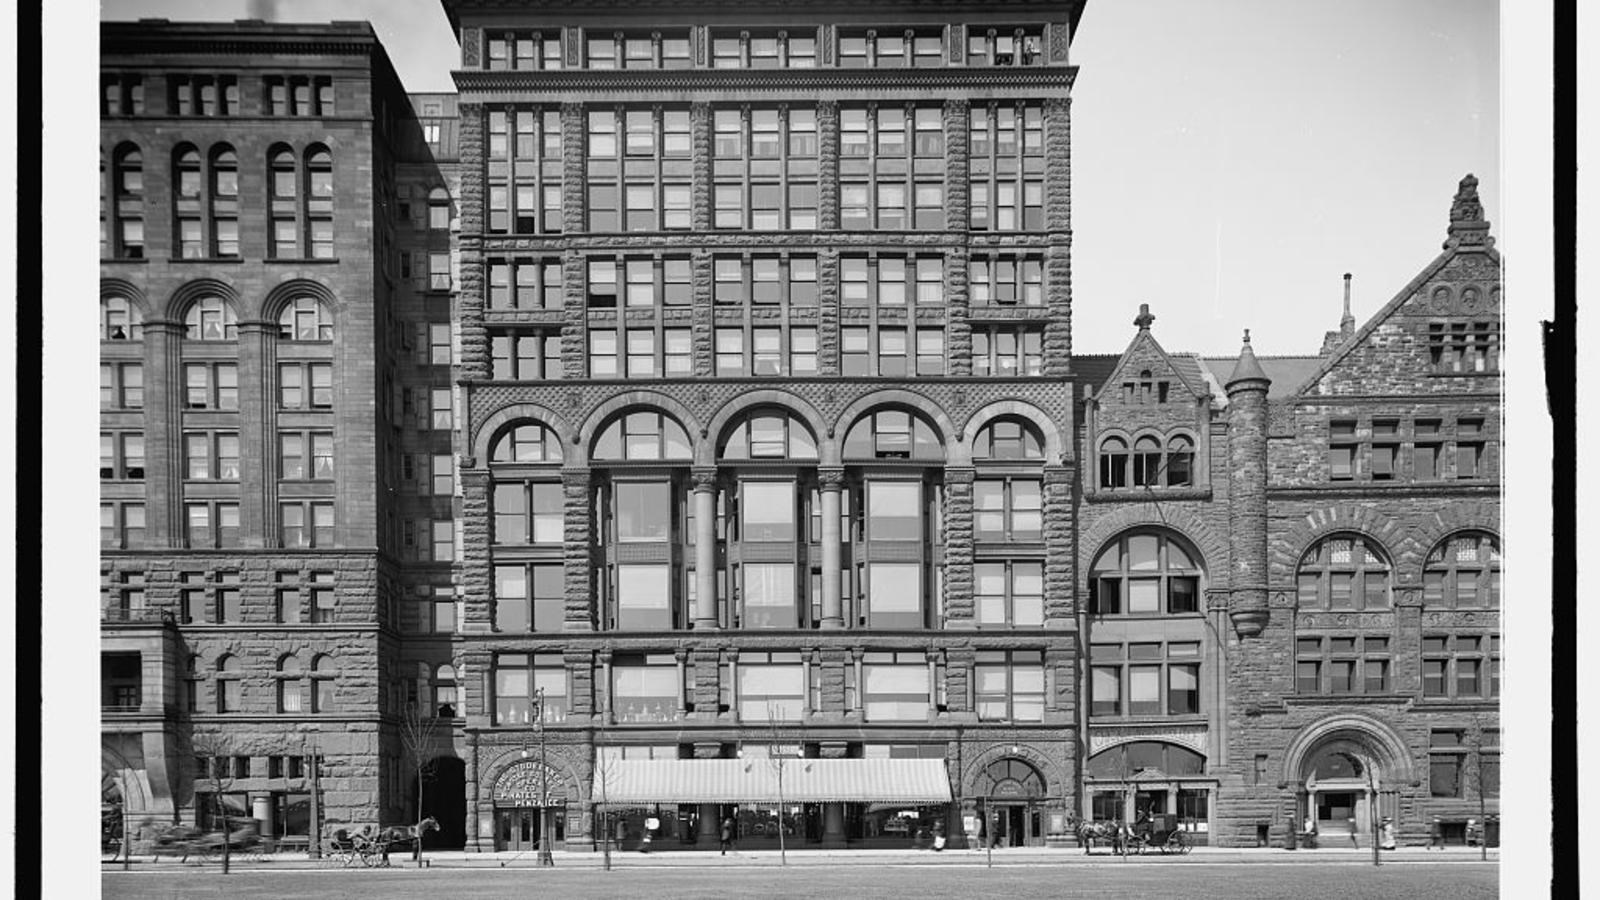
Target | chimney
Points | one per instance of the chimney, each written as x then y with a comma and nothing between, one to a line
1347,323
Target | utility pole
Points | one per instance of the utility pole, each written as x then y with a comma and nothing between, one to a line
315,850
546,833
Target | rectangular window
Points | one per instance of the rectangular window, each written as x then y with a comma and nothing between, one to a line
644,601
645,688
768,593
771,687
896,686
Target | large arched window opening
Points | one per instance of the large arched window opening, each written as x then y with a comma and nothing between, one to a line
1140,779
896,496
1463,572
1008,524
210,319
1344,571
1145,573
224,201
528,515
291,684
120,320
642,513
766,499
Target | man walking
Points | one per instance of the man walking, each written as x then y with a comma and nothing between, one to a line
727,834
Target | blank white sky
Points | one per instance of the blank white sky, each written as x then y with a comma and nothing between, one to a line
1230,160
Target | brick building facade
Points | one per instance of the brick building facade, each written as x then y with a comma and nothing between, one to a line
701,389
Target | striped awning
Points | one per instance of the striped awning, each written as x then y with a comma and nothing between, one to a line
756,781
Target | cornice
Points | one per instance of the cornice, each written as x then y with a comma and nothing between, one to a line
186,44
1373,491
592,81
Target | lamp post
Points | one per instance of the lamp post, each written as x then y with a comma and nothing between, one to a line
546,833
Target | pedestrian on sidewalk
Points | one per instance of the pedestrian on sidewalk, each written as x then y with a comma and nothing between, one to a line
650,826
1436,834
727,834
1354,843
1387,833
938,835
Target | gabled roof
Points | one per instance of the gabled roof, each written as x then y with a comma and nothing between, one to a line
1187,374
1468,233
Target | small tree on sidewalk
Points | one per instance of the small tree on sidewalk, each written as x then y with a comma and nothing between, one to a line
1479,778
215,753
605,769
780,742
417,730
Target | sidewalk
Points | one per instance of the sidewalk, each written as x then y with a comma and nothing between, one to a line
1010,856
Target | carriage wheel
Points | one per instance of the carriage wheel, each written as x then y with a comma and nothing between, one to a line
1179,842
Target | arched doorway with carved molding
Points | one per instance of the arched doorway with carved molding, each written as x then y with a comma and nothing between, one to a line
1349,772
525,793
1129,778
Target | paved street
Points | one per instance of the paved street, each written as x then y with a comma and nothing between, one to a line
1259,874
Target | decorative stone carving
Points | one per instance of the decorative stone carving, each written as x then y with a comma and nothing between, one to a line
525,783
1191,736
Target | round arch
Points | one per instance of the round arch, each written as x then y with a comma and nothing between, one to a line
1285,552
291,287
973,777
482,440
1422,536
1185,524
1378,742
568,778
924,406
736,407
633,400
1053,447
118,287
190,291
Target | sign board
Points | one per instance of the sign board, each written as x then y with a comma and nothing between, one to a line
525,784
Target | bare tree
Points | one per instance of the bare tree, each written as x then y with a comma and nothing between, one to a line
779,743
604,769
1477,740
417,730
217,751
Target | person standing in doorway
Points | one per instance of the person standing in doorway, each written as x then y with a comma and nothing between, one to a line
1355,843
727,834
1436,834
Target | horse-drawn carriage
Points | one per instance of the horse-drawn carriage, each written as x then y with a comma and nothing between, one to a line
367,847
1157,832
184,841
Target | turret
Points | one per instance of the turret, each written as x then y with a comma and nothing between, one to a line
1247,505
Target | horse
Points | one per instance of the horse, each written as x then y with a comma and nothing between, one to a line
405,834
1113,833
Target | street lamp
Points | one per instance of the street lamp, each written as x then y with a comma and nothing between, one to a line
546,834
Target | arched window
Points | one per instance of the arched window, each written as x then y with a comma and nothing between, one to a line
186,164
305,319
229,688
319,201
285,186
1147,462
1145,573
290,686
1008,439
1113,463
1180,461
120,320
528,508
224,201
210,319
1129,759
324,675
645,435
769,434
1010,778
892,434
1146,386
438,209
127,173
444,692
186,197
1343,571
528,442
1463,572
191,684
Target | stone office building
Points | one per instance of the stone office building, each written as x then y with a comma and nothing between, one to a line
703,406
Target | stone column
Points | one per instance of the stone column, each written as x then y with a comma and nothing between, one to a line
705,549
476,572
831,482
608,710
579,556
1060,569
959,613
163,442
257,438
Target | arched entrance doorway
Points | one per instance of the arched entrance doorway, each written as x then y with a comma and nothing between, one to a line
525,795
1012,792
444,796
1350,771
1135,779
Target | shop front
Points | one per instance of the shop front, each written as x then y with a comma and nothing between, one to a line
1138,780
802,803
528,799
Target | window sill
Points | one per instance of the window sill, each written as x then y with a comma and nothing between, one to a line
302,261
124,260
206,260
1332,699
1142,494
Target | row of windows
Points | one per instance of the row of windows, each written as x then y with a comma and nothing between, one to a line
1350,572
302,319
1397,449
206,203
1151,462
216,386
215,524
218,95
1464,347
296,689
774,48
765,686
